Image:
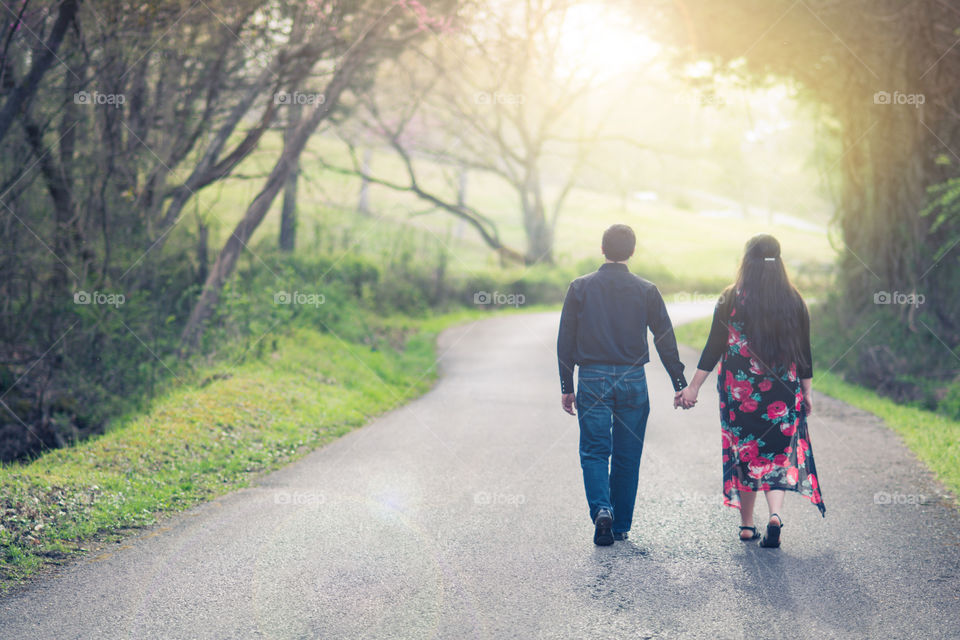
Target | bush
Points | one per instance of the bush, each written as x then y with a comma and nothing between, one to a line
893,351
950,404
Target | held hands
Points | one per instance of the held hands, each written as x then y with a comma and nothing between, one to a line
685,398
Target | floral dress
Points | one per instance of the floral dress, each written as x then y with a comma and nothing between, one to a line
763,421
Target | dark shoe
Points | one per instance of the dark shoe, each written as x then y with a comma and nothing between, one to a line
772,539
603,536
756,534
620,535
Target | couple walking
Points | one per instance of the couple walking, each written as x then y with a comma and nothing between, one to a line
760,336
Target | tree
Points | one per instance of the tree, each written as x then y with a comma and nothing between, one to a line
105,148
380,34
18,94
497,99
288,213
885,74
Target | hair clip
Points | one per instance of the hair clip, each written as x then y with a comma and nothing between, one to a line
769,259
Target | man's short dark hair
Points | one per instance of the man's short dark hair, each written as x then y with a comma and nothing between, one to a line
619,242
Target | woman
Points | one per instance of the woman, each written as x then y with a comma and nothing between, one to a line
761,336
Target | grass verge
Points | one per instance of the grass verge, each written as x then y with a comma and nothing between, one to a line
205,439
934,438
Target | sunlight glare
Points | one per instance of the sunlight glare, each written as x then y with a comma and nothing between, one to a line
598,43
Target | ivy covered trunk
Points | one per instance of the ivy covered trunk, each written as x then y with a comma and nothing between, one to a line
885,77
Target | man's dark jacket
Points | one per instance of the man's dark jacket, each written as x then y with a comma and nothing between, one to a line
604,321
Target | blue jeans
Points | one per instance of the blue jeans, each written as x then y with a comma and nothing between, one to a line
612,408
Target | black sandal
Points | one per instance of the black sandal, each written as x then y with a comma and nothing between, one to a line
756,534
772,539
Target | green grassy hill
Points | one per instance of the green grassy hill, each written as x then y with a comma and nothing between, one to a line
677,236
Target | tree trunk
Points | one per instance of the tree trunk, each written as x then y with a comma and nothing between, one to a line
539,236
203,244
462,187
288,215
227,260
363,204
539,233
43,58
462,202
67,237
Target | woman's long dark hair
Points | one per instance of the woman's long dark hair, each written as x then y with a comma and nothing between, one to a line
773,310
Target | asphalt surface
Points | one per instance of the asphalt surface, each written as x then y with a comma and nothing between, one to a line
461,515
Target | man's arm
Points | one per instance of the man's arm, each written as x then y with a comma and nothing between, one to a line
567,340
664,339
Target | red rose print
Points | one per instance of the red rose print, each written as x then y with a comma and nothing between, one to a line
732,415
765,486
788,429
813,481
799,401
793,474
755,367
781,460
759,467
765,385
816,496
748,406
741,389
729,440
777,409
802,447
745,350
748,450
793,371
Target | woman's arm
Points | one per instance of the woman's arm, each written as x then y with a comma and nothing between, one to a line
806,371
719,331
688,397
712,351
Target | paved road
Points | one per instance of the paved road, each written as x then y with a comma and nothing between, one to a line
461,515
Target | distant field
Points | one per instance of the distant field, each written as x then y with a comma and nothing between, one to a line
675,235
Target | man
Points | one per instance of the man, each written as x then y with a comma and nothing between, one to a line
603,330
